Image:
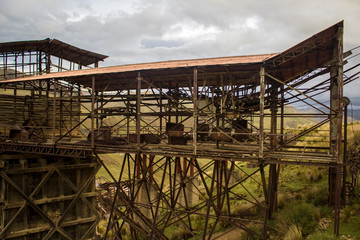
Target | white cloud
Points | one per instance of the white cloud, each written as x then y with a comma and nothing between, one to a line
190,30
252,22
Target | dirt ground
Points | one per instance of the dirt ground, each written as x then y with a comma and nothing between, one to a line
232,234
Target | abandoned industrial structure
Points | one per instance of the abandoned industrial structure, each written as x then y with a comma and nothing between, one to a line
182,128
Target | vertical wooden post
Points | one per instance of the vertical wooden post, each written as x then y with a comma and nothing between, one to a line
151,167
97,106
346,102
71,110
138,111
48,62
176,102
177,166
263,181
195,113
16,71
339,55
128,115
192,167
78,102
102,110
61,110
336,95
54,110
184,165
6,67
47,103
144,167
61,186
161,109
137,166
282,112
15,106
169,102
23,63
261,121
92,111
38,65
273,174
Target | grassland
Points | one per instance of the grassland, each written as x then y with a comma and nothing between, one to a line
302,211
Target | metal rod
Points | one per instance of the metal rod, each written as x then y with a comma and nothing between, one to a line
278,80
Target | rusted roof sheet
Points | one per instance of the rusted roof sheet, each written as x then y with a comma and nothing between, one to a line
242,60
56,48
315,52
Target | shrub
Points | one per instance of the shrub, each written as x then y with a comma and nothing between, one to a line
321,236
318,195
303,215
293,233
347,212
283,199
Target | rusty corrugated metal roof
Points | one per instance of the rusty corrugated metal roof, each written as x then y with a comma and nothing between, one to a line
251,59
56,48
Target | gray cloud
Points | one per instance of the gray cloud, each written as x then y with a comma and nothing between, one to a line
155,43
242,26
145,30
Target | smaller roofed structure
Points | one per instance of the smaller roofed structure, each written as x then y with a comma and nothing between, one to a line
35,57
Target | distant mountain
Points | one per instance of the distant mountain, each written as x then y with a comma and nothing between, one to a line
354,114
353,111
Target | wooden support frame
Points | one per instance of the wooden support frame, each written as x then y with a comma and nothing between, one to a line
41,207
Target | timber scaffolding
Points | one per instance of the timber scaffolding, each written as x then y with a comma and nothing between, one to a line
183,128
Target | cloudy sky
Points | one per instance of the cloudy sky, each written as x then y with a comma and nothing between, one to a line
132,31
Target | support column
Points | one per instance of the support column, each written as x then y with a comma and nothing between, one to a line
161,110
195,113
92,112
336,94
61,111
48,62
346,102
263,181
273,173
54,111
261,121
138,111
282,112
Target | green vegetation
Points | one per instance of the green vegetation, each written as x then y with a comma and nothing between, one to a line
302,210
